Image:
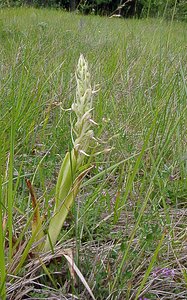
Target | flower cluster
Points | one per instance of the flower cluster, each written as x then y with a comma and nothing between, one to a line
82,107
164,272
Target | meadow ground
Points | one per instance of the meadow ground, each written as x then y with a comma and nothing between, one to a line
127,228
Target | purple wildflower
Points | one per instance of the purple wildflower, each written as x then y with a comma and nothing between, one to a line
165,272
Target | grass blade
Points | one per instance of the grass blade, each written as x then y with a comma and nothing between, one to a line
151,264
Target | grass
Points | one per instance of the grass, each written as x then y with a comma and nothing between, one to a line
130,217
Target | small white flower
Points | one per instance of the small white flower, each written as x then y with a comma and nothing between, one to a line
82,107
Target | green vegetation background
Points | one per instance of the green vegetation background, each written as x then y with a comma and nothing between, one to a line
139,69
